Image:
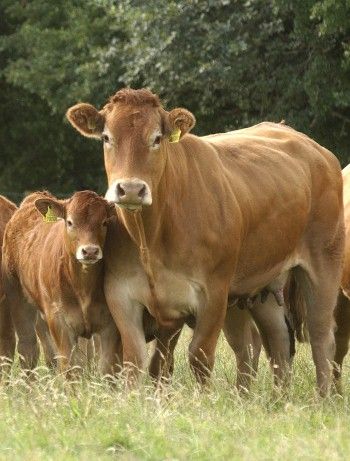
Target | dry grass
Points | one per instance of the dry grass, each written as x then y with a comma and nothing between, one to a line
49,419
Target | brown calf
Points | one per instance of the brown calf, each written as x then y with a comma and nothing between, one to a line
7,333
224,215
57,267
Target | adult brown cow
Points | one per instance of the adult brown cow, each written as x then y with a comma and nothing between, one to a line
342,311
226,214
57,267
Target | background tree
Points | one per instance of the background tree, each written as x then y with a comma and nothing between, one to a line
232,63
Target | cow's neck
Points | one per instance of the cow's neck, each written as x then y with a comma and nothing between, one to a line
163,221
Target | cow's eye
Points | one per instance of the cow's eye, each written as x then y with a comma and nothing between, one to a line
69,223
105,137
156,142
104,224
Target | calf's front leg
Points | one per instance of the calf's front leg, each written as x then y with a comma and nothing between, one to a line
47,343
66,342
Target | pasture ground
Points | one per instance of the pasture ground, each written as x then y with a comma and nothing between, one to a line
49,419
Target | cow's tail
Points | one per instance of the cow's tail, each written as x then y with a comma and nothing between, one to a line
298,295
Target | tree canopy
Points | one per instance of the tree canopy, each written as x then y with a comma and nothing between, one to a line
232,63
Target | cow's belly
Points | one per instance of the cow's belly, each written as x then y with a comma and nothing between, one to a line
256,280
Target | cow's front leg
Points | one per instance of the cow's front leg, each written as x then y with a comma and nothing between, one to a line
209,322
128,316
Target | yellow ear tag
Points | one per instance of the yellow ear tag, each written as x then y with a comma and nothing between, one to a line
50,216
175,135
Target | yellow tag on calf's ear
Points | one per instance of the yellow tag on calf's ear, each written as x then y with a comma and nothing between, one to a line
50,216
175,135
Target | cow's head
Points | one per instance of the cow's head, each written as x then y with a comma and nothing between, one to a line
86,216
136,132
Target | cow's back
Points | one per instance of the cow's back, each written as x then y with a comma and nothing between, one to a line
270,149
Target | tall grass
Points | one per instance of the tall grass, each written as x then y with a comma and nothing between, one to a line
49,419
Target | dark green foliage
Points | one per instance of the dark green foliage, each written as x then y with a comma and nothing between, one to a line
233,63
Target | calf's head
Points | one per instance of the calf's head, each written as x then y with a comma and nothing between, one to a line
86,217
136,132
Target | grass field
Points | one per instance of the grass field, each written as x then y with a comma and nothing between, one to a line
49,419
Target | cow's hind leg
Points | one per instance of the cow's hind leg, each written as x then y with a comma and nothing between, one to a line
244,339
277,337
342,337
320,294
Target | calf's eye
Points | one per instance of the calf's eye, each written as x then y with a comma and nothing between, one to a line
104,224
69,223
156,142
105,137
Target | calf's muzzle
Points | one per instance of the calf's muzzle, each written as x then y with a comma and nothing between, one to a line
89,254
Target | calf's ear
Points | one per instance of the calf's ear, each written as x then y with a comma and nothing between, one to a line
57,209
180,121
111,211
86,119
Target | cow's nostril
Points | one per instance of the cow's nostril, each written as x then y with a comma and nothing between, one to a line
142,191
95,252
84,252
121,191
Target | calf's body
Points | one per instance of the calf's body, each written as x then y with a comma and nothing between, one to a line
41,265
7,333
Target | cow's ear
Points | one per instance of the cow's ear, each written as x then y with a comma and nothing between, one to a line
51,208
86,119
180,122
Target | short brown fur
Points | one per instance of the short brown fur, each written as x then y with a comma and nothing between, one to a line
40,265
231,213
7,333
342,311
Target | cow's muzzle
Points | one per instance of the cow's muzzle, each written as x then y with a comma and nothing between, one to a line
129,193
89,254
